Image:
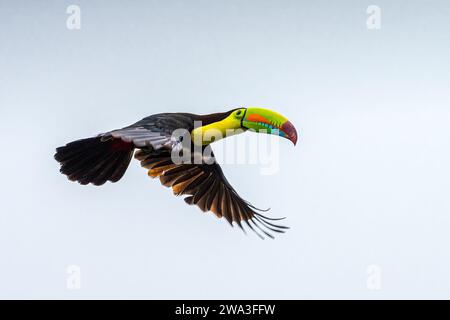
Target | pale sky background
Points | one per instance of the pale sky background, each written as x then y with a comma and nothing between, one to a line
367,184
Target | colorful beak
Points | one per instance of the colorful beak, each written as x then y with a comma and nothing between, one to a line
268,121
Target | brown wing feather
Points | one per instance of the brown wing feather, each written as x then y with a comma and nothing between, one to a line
207,187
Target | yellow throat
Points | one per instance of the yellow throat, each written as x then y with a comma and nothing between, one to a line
231,125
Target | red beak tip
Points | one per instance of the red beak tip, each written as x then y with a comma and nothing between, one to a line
290,131
294,140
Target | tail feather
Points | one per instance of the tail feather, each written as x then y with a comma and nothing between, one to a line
95,160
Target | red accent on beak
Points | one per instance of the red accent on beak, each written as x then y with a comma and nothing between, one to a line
289,129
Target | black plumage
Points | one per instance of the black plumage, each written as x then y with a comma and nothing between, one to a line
94,160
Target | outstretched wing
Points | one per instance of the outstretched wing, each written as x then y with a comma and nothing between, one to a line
155,131
207,187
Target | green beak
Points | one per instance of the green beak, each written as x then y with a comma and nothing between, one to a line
268,121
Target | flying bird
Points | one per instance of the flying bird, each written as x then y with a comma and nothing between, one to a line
160,139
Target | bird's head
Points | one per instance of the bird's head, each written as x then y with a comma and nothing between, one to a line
242,119
266,121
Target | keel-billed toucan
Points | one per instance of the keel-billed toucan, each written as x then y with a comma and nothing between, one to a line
106,157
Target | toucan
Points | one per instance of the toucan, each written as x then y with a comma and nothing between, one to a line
161,141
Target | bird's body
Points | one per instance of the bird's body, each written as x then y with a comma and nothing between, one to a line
162,142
